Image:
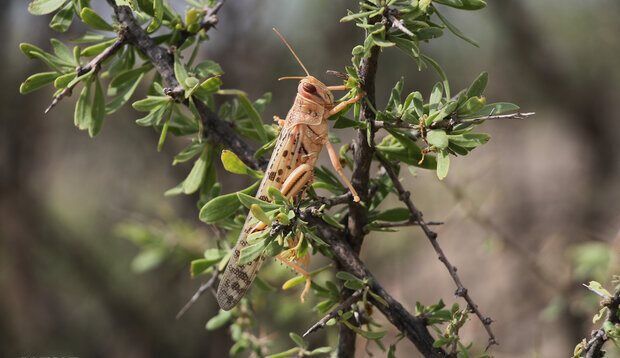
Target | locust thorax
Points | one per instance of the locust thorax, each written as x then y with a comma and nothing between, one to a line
314,90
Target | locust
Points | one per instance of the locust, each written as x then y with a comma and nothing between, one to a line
303,134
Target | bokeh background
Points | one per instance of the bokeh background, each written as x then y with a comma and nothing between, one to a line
529,217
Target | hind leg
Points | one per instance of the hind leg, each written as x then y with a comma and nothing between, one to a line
294,185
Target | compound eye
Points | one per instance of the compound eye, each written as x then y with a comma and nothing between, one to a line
308,87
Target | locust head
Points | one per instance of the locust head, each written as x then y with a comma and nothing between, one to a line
316,91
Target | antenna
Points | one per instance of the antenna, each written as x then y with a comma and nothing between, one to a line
291,78
292,51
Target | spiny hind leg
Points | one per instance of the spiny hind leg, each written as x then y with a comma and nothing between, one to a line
294,185
297,180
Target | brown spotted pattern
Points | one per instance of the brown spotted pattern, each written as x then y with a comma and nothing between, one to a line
299,142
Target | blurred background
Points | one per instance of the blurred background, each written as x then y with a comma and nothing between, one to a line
528,217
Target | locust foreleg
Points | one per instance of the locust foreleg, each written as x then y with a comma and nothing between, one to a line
333,157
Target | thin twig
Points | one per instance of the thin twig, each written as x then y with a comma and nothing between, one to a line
341,307
202,289
461,291
94,65
404,223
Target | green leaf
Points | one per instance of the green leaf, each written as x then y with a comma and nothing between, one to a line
219,208
91,18
344,122
472,105
219,320
223,206
252,252
494,109
180,72
331,221
30,50
211,85
248,201
124,93
258,213
158,15
252,113
37,81
293,352
295,281
436,95
443,164
150,103
154,117
454,29
598,289
320,350
424,4
63,18
372,335
478,86
64,80
98,109
209,68
194,179
350,281
62,51
96,49
298,340
199,266
127,77
83,108
44,7
357,15
189,152
437,138
394,215
233,164
453,3
131,3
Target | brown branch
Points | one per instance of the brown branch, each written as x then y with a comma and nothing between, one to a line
163,61
362,157
414,328
416,215
94,65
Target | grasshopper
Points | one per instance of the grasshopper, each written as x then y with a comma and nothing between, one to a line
303,135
